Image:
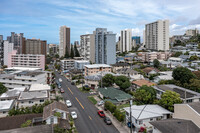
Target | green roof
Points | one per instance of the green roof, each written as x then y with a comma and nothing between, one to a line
114,94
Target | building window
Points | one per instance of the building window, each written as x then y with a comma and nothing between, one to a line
42,100
30,102
22,102
52,120
140,122
151,119
4,112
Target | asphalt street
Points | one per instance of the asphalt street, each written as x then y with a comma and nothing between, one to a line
88,120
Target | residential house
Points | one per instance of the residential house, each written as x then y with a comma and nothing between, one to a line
142,115
167,75
114,95
5,106
139,83
93,80
194,53
187,95
30,98
150,70
119,65
56,107
189,111
174,126
132,74
95,68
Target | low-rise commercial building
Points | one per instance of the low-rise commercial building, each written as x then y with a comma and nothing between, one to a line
80,64
26,60
67,64
151,56
23,78
95,68
30,98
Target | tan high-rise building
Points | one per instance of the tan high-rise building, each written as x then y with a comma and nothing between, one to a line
157,35
34,46
192,32
64,40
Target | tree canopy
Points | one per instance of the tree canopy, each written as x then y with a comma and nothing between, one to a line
3,89
168,99
182,74
145,95
72,52
76,51
108,80
156,63
123,82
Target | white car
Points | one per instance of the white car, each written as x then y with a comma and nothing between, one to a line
68,103
74,114
60,80
100,103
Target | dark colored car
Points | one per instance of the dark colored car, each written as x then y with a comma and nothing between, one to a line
101,113
72,83
107,121
61,90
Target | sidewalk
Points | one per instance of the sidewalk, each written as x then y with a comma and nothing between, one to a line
120,127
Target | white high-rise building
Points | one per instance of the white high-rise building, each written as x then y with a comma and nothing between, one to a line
8,48
87,44
157,35
64,41
126,40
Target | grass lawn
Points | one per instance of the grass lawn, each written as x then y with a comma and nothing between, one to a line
91,98
80,88
125,105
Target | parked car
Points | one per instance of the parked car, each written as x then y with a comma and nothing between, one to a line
74,115
100,103
62,90
101,113
72,83
60,80
68,103
107,121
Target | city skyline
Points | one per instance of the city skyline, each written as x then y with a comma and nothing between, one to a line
42,19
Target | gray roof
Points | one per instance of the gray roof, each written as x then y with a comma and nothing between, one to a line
33,95
184,56
120,64
176,126
177,89
126,71
49,109
195,106
32,129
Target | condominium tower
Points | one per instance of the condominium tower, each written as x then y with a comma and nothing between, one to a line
34,46
192,32
1,50
64,41
105,46
87,44
126,40
17,40
157,35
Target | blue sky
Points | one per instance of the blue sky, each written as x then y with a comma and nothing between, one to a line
42,18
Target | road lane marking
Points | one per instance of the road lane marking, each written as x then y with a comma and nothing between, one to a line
99,131
90,118
79,102
70,90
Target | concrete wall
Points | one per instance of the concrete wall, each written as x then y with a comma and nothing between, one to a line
184,111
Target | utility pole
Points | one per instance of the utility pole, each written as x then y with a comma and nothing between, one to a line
101,76
131,116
